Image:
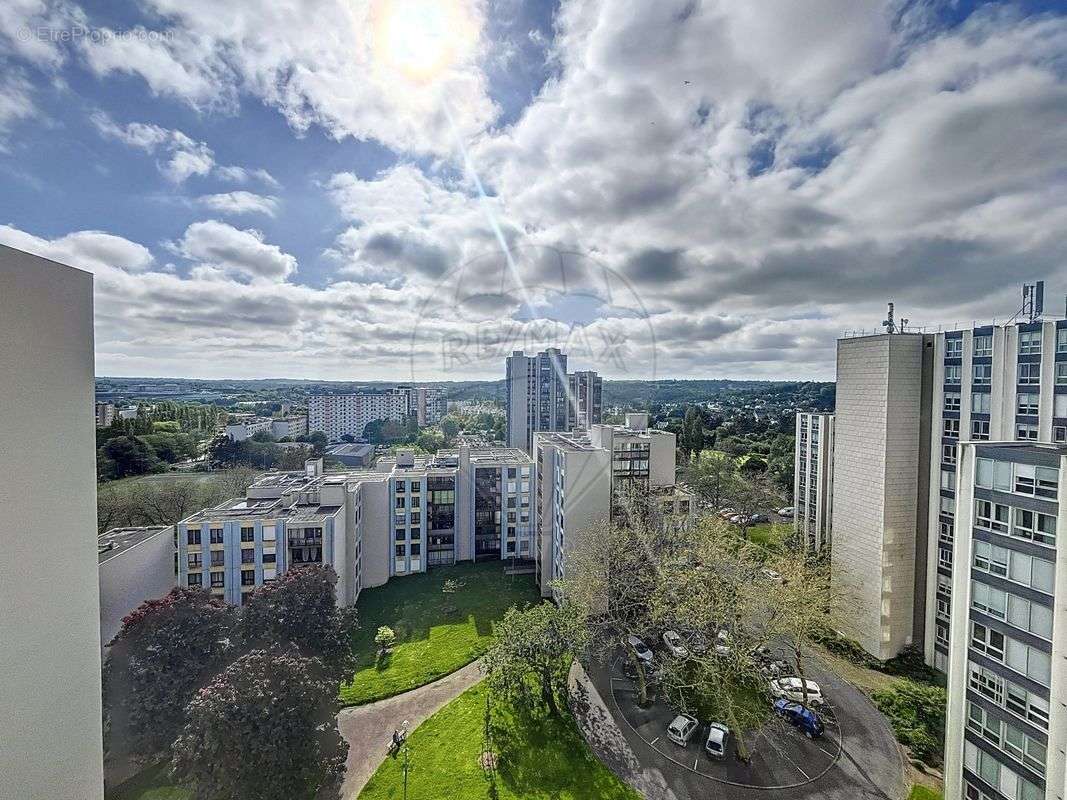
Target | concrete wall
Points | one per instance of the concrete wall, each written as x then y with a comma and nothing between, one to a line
144,572
49,628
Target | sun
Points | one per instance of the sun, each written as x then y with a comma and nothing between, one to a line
421,38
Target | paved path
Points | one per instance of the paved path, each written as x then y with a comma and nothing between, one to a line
368,729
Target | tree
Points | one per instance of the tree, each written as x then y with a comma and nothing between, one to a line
712,476
752,494
300,607
165,651
385,638
124,456
534,647
264,729
449,427
693,432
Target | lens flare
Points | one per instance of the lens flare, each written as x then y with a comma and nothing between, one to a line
421,39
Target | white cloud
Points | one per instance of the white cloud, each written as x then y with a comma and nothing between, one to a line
16,102
243,254
240,202
88,250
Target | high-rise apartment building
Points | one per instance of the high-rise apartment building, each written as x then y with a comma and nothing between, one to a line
813,474
105,414
1007,675
585,405
536,390
427,403
339,415
49,625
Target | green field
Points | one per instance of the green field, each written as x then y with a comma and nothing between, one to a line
539,757
150,784
769,534
437,633
924,793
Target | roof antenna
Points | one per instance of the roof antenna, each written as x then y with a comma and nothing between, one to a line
888,323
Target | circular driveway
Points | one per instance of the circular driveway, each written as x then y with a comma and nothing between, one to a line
856,759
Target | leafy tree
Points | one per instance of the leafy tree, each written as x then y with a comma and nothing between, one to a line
300,607
385,638
917,713
449,427
534,647
713,476
166,650
753,493
693,432
263,729
124,456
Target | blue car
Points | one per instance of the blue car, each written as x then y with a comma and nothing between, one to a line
806,720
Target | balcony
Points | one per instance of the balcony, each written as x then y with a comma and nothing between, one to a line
305,541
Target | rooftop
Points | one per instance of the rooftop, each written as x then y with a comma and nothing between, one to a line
117,541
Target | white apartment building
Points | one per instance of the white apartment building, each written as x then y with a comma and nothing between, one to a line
536,390
247,428
49,627
105,414
291,426
425,402
406,514
136,564
585,400
1007,664
813,472
879,467
581,473
339,415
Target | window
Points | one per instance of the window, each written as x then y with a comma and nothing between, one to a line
983,374
1029,373
1038,481
416,548
195,560
1061,340
989,600
952,401
983,723
400,534
953,348
941,634
988,641
216,535
1035,526
948,453
218,558
1025,432
991,516
1059,405
948,506
1025,704
945,533
1029,343
401,550
990,558
196,579
218,580
270,558
944,597
1024,749
248,534
953,374
248,577
948,480
979,429
1061,372
1026,404
1032,617
401,502
983,346
983,473
987,683
944,558
952,428
980,402
192,536
1029,661
1059,434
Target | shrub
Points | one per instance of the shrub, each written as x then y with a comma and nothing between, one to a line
385,638
916,711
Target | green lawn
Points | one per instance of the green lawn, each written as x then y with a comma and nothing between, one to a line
538,758
437,633
769,534
924,793
150,784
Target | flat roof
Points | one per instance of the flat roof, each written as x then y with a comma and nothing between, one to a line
350,449
117,541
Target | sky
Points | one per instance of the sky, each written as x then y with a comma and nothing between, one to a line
413,189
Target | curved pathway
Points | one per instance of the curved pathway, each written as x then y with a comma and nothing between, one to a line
368,729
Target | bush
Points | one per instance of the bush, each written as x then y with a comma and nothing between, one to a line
845,648
385,638
916,711
909,663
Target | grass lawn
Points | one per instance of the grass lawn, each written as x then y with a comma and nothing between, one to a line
150,784
924,793
539,758
769,534
436,633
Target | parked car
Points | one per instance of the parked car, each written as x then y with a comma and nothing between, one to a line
715,745
806,720
739,519
682,728
639,647
758,518
673,642
726,513
788,511
793,689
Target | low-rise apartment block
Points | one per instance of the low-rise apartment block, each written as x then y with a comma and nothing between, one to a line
136,564
813,474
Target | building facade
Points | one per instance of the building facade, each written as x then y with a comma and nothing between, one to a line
1007,675
49,593
585,406
339,415
536,391
426,403
813,473
105,414
136,564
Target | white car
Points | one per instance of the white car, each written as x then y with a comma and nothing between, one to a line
715,746
788,511
682,728
726,513
639,647
793,689
673,642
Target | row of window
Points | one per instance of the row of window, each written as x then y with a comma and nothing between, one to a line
216,536
1007,695
996,774
1017,611
1028,373
979,429
1029,344
1024,659
1011,740
1027,479
1037,573
982,345
1021,523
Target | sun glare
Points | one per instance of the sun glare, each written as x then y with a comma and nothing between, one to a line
422,38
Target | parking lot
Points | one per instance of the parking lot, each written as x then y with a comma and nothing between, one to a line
856,757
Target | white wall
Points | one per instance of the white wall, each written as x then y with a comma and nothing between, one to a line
49,625
144,572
